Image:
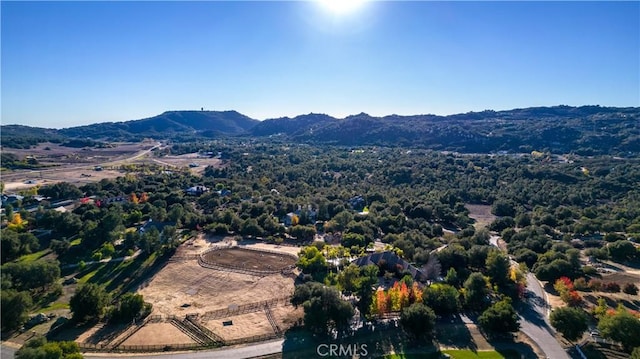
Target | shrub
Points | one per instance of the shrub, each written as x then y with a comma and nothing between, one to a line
581,284
595,285
612,287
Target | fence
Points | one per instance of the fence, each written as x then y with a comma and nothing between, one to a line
203,262
245,308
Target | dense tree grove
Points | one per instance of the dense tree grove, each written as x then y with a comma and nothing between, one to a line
413,203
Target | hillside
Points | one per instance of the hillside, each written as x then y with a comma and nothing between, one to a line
169,124
586,130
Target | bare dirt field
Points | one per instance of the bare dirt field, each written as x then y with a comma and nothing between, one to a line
256,321
190,161
158,334
249,259
185,287
77,165
481,214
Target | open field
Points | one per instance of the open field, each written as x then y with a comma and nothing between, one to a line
248,259
76,165
182,288
481,214
158,334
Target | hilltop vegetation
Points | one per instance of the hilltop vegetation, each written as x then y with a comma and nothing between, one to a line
587,130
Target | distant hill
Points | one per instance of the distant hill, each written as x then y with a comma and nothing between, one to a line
586,130
169,125
18,136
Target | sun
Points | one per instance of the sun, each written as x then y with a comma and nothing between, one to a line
340,7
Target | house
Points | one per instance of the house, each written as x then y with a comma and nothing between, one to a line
157,225
391,262
288,219
224,192
357,203
11,198
196,190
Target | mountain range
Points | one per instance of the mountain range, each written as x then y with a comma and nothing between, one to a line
586,130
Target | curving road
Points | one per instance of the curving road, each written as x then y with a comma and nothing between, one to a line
534,316
533,321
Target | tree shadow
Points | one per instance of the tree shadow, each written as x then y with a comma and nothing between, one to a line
376,340
106,334
530,314
509,348
452,332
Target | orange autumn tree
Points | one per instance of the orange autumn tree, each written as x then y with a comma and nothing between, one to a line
564,287
396,298
133,198
143,197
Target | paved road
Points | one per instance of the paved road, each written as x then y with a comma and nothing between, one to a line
7,352
250,351
534,317
534,323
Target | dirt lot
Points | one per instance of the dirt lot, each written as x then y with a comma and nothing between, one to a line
249,259
158,334
257,321
481,214
185,287
76,165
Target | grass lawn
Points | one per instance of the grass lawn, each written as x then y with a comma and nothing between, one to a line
34,256
488,354
457,354
413,356
55,306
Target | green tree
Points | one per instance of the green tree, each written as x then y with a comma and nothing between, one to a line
311,260
498,268
571,322
349,278
622,250
475,291
303,233
500,318
368,279
621,327
88,302
130,306
39,348
418,320
15,308
442,298
324,310
452,277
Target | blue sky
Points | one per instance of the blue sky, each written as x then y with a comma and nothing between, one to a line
72,63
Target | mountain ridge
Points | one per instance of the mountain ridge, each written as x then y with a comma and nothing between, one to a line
586,129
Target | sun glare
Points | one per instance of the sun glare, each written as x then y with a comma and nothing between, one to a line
341,6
